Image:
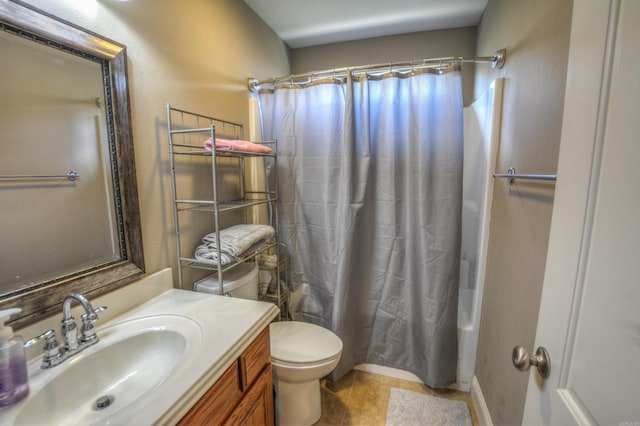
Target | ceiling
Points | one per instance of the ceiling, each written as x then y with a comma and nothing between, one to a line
302,23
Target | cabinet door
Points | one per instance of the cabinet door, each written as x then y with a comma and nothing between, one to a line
254,359
216,404
256,408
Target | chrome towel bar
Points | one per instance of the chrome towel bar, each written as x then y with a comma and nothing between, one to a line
511,175
71,175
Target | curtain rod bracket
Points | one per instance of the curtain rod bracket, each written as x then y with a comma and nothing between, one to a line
499,59
253,84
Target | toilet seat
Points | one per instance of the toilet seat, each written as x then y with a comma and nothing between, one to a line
299,343
305,365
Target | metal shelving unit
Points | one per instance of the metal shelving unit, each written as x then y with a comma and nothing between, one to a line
187,132
267,290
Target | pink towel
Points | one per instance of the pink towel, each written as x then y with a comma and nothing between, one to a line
236,145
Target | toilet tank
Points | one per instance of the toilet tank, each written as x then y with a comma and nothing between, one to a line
241,281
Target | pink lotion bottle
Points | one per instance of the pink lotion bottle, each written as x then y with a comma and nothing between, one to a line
14,380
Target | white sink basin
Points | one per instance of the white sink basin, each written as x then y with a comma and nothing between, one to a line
131,360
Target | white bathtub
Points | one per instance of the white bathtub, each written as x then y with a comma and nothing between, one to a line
481,139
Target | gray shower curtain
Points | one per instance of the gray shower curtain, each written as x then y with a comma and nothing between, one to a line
370,193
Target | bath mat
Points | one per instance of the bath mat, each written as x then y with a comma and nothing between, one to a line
407,408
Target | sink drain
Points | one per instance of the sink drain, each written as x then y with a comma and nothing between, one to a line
103,402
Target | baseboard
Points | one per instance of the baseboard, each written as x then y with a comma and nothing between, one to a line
484,418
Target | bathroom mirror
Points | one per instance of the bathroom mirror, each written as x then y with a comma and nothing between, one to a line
69,203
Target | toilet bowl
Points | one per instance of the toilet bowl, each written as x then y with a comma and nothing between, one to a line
301,354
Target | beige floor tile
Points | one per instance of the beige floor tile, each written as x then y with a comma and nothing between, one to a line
361,398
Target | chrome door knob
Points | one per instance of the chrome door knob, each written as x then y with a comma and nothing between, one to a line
541,360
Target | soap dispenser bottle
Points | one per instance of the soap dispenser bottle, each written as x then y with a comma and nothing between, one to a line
14,380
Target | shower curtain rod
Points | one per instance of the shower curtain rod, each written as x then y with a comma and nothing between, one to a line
496,61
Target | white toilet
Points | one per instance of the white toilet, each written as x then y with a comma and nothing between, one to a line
301,353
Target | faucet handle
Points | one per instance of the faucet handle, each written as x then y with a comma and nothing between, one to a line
88,334
93,315
48,336
52,353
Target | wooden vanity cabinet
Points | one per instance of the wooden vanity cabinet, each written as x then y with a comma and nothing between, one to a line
243,395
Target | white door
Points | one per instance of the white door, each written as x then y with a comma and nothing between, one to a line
590,311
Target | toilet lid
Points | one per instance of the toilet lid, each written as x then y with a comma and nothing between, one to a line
295,341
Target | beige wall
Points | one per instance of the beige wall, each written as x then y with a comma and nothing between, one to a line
405,47
195,54
536,36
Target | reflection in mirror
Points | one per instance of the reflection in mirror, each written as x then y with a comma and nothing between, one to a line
54,121
64,110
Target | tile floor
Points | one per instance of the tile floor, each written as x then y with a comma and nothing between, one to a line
361,398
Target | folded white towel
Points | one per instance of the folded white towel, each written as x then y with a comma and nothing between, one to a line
234,241
205,253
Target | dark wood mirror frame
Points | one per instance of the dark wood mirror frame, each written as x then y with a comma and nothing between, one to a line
45,298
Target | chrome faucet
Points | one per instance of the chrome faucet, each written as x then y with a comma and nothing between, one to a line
54,354
69,328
